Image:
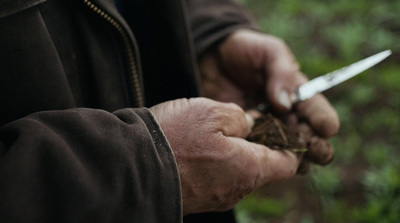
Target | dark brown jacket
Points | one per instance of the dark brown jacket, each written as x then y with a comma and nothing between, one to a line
76,144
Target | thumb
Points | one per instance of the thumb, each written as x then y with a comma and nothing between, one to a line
283,76
281,87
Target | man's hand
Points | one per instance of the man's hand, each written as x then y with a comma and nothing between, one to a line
249,68
217,166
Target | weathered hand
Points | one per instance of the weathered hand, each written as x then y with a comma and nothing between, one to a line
217,166
250,67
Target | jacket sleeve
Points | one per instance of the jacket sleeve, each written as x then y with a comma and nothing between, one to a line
212,20
86,165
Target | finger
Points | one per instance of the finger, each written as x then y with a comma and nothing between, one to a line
320,114
279,89
279,165
235,122
319,151
254,114
262,165
283,76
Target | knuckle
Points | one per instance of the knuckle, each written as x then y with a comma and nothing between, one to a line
277,42
234,107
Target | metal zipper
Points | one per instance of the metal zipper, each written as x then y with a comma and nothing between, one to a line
136,91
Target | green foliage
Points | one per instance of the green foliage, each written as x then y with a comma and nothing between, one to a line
383,197
326,35
326,180
255,208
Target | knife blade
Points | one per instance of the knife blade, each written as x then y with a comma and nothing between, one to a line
324,82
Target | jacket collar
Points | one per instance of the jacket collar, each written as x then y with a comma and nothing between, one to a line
9,7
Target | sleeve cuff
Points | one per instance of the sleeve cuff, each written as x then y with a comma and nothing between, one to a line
169,167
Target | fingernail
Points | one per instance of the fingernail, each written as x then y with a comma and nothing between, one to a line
284,100
250,120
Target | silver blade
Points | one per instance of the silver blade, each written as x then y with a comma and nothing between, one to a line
331,79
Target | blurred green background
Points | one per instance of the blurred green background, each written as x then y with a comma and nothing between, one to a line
362,184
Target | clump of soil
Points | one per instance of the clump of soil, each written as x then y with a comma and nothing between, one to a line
271,132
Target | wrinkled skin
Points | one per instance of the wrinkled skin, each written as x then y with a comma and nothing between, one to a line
217,166
249,68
